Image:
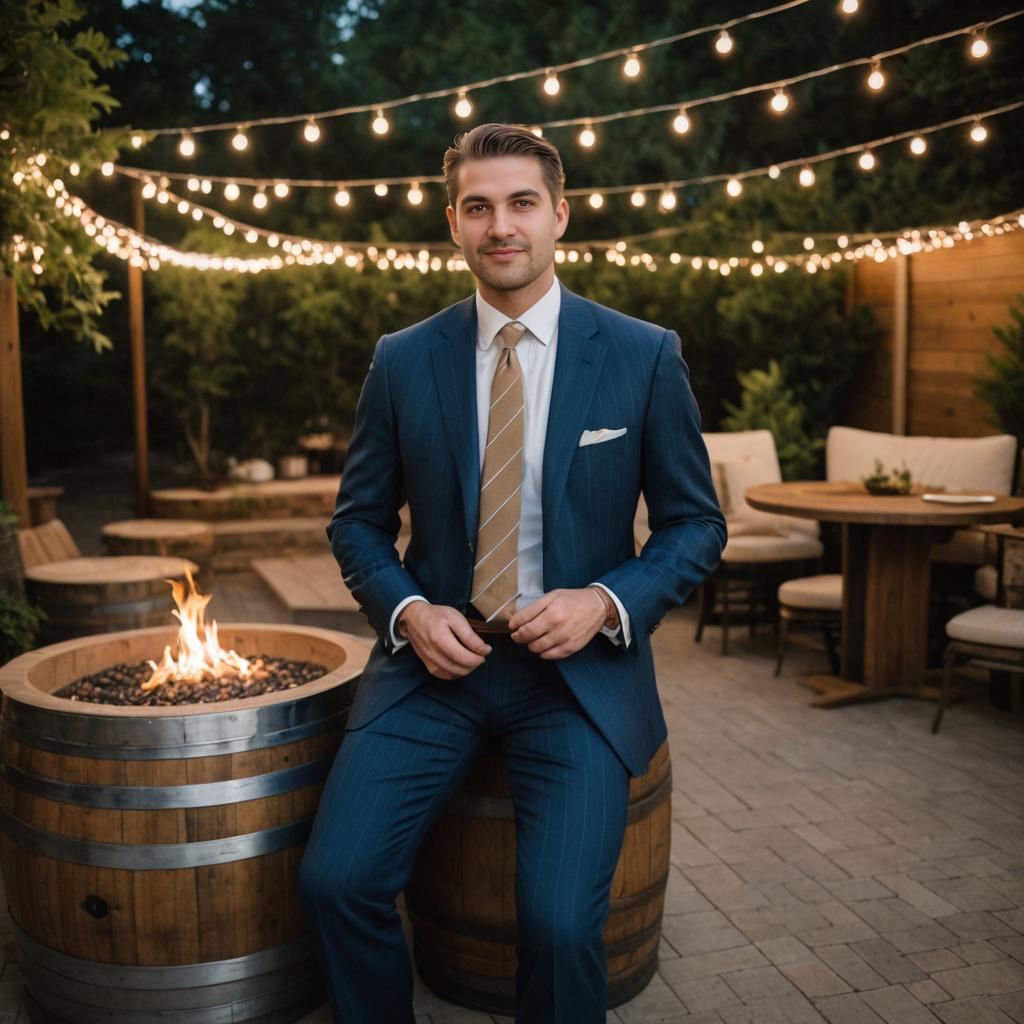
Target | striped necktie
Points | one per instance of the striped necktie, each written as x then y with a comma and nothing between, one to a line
495,575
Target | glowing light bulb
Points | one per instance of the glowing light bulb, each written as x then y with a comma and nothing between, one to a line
240,141
876,79
667,200
107,168
842,241
808,243
978,47
849,6
552,86
231,191
259,200
734,187
148,190
380,190
757,245
979,133
681,122
136,141
806,176
381,125
463,108
192,184
780,266
632,67
587,137
866,161
311,131
415,194
341,197
779,101
918,145
757,269
280,190
187,145
723,43
74,168
638,198
774,171
596,200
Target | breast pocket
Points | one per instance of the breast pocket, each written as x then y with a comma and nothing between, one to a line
590,453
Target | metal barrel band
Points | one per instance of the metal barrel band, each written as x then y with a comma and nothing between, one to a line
154,857
212,972
156,738
200,794
501,808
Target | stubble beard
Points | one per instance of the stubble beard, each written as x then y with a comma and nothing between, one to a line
511,278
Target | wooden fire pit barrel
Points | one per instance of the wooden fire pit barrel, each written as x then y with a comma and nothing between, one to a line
82,596
176,538
150,854
461,898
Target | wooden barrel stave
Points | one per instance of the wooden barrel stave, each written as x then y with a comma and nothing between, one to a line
461,898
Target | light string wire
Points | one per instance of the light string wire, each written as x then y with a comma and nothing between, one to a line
363,108
770,170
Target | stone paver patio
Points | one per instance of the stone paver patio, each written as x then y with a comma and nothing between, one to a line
842,866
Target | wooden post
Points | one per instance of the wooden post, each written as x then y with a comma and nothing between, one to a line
900,343
138,343
12,410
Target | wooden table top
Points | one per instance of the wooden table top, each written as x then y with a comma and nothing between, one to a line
844,502
167,529
118,569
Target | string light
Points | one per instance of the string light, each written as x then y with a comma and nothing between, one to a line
380,190
734,187
978,47
107,168
193,184
148,190
259,200
240,141
231,191
463,108
757,269
774,171
979,133
849,7
757,246
723,43
187,146
667,200
381,125
632,67
74,168
342,197
866,161
681,122
415,194
806,176
552,86
779,102
876,79
587,137
280,190
596,200
808,243
311,131
638,198
918,145
137,141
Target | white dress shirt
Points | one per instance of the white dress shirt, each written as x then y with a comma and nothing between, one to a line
536,352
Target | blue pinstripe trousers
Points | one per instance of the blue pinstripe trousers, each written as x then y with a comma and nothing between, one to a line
393,777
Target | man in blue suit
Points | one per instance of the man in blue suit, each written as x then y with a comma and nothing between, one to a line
520,425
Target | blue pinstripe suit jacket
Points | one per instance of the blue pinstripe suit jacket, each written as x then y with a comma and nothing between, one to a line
415,440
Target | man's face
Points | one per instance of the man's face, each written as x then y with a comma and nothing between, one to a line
505,222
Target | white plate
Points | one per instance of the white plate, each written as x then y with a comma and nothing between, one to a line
961,499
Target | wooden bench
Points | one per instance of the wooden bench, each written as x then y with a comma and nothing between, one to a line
238,542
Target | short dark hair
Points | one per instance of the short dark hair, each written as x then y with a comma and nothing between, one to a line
494,140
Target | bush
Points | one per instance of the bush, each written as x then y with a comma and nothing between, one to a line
1003,388
19,625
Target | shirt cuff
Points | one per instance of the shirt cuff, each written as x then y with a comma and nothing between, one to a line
397,642
621,635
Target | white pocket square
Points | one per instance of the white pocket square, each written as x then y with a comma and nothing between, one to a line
597,436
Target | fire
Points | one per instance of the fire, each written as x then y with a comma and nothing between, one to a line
199,653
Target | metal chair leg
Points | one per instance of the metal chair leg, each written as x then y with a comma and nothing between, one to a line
783,634
947,683
725,616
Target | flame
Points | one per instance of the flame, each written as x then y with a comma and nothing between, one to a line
199,653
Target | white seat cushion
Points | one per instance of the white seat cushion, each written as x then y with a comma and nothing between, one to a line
823,592
986,581
1001,627
966,547
790,548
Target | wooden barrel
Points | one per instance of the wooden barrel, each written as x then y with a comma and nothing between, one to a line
150,855
82,596
177,538
461,898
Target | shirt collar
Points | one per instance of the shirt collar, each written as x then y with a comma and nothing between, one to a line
540,320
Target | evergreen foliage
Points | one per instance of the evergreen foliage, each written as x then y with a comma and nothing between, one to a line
1003,387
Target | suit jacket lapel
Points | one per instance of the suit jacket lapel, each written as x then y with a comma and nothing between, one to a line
454,360
577,367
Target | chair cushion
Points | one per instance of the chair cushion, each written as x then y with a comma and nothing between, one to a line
986,581
732,479
959,463
965,547
1001,627
756,548
823,592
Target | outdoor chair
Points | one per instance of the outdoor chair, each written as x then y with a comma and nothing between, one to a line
763,550
813,601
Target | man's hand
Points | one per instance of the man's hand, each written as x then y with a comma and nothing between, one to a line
560,622
443,639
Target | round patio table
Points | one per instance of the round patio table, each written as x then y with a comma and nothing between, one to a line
887,541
